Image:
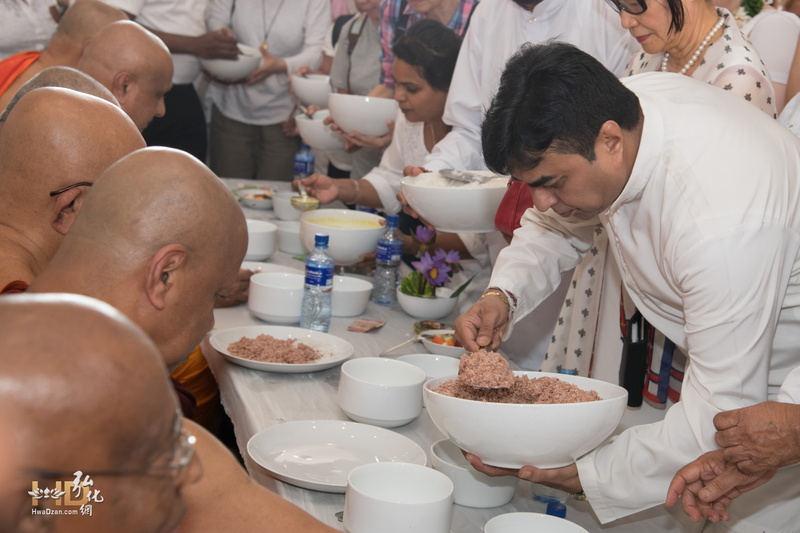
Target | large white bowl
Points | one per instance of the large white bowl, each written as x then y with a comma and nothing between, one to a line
345,244
282,205
350,296
276,297
262,238
428,308
312,89
531,522
234,69
471,488
381,392
318,135
365,114
515,435
458,208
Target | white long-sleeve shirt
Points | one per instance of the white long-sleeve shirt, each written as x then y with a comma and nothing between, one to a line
497,29
707,236
295,31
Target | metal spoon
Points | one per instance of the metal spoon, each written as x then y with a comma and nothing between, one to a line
426,336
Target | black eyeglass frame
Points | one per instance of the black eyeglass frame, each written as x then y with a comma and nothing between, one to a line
618,6
68,187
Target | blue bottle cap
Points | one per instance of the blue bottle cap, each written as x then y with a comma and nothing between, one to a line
320,239
393,221
557,509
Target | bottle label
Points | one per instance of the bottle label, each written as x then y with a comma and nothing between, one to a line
304,163
389,251
319,276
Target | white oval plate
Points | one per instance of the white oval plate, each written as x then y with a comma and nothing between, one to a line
339,349
319,454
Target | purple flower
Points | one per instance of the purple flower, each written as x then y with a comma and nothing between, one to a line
435,271
448,257
424,234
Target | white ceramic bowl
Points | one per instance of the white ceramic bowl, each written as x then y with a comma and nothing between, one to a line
357,232
441,349
434,366
234,69
289,237
428,308
276,297
455,209
318,135
312,89
381,392
529,523
397,498
471,488
282,205
515,435
247,198
262,237
365,114
350,296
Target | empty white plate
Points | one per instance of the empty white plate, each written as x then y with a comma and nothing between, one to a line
319,454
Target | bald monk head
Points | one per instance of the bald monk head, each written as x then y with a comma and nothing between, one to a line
88,392
65,77
134,65
158,238
82,21
55,138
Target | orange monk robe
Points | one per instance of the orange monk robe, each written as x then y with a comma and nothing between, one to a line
12,68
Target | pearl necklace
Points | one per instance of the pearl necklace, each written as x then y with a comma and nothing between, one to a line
698,52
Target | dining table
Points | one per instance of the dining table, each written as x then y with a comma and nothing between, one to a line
256,400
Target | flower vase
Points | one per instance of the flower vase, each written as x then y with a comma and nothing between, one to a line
423,308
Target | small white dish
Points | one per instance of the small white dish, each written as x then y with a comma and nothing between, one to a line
249,197
529,522
259,267
262,238
441,349
339,349
319,454
434,366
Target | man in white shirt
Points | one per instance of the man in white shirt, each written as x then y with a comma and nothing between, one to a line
588,24
181,24
698,192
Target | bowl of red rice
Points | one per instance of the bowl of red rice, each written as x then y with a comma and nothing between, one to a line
504,428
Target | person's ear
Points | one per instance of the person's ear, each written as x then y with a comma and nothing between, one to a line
66,208
610,138
122,85
162,270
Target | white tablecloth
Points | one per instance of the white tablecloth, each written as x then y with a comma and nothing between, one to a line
257,400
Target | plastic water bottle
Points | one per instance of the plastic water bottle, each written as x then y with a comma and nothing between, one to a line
316,311
303,162
387,263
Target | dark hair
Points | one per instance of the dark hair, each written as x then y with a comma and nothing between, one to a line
552,96
432,49
678,15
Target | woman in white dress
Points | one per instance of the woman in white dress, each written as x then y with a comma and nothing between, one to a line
424,62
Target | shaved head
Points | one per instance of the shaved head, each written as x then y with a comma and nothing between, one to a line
159,236
84,18
64,77
54,138
88,391
132,63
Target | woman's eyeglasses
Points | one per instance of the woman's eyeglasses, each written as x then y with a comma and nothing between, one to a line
634,7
